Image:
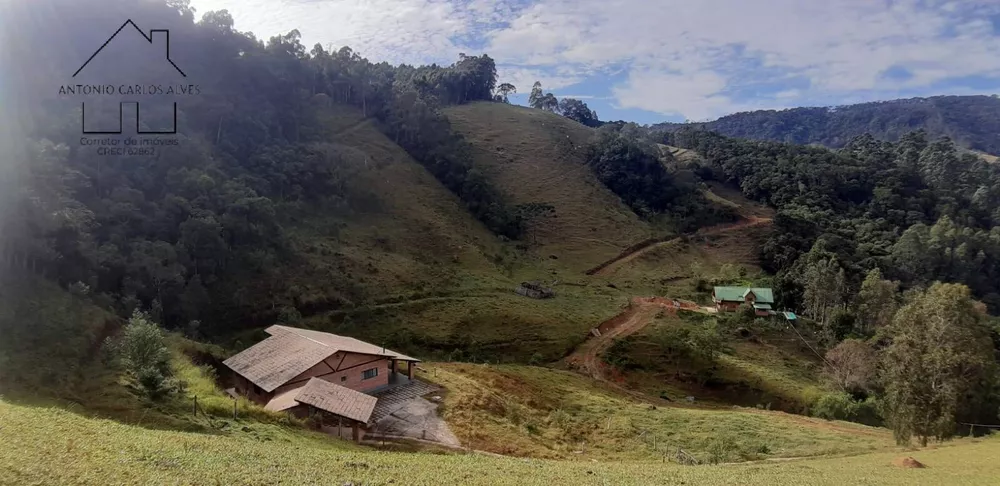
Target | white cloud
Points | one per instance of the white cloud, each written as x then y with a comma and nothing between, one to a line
411,31
698,59
523,78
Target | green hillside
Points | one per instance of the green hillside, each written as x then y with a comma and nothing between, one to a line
537,156
406,205
408,266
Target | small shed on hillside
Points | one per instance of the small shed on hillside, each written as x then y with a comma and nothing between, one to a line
535,290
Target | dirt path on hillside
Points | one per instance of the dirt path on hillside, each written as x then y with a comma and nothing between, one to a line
609,266
587,357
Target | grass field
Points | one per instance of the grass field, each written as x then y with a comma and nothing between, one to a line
44,446
541,412
773,369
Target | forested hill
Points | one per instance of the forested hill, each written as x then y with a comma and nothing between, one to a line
266,180
280,149
971,121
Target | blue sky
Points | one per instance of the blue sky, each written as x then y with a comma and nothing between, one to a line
670,60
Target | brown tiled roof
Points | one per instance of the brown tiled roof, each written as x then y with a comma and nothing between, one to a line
283,401
342,343
290,351
337,400
277,359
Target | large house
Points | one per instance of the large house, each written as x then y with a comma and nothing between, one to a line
307,372
731,298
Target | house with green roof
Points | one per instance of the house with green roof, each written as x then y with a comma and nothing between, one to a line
731,298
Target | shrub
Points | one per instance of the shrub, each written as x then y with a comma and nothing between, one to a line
835,406
842,406
722,448
618,354
141,351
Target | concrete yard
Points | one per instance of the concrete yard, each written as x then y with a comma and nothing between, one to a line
417,418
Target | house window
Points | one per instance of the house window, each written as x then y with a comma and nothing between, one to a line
343,378
369,374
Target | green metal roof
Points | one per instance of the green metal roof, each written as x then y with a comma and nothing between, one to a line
790,316
762,306
736,294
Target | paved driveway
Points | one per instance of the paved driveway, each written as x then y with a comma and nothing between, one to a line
402,412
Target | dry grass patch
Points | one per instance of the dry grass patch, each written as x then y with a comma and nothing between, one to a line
540,412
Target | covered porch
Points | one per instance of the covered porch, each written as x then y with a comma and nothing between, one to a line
396,380
405,367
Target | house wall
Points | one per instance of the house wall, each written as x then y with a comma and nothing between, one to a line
344,369
253,393
729,306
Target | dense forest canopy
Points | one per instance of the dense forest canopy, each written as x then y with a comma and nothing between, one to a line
970,121
919,209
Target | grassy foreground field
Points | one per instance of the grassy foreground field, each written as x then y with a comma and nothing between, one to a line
546,413
52,446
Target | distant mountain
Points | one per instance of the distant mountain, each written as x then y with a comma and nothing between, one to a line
971,121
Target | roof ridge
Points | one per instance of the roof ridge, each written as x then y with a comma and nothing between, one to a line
290,329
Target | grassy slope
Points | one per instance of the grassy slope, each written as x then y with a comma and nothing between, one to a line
540,412
774,369
404,232
672,268
409,267
99,452
538,156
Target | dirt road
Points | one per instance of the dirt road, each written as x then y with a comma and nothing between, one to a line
640,312
609,267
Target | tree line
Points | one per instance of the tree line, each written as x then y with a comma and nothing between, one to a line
971,121
571,108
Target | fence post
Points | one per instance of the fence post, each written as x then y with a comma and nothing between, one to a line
194,409
236,403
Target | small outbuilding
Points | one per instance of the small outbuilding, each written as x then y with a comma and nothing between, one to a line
535,290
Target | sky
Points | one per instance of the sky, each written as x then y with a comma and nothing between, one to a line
669,60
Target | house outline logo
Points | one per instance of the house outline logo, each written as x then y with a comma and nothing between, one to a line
121,105
149,38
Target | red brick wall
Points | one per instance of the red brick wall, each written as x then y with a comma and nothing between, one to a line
349,372
354,376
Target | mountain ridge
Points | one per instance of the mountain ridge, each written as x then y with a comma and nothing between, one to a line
971,121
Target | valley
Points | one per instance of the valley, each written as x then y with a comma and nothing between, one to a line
356,272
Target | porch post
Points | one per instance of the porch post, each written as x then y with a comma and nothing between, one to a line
410,366
356,432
